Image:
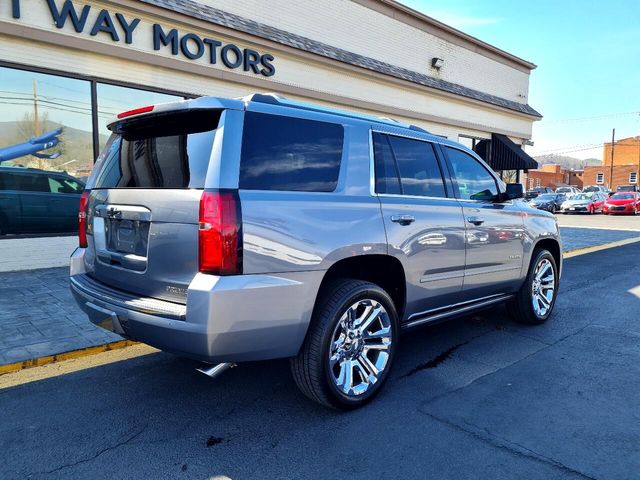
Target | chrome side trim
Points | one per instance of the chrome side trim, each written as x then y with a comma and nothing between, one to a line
441,276
453,310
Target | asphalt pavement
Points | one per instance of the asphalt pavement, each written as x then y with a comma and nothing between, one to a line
475,398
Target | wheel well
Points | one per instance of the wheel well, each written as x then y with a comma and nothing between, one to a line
553,246
383,270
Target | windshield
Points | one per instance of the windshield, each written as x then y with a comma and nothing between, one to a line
563,190
546,196
581,196
591,189
159,151
622,196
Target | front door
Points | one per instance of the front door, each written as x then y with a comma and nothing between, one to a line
423,222
494,231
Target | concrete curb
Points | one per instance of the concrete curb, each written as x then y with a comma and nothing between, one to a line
83,352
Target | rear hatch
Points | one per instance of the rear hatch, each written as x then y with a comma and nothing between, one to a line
143,209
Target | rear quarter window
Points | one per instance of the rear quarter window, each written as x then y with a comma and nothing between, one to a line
290,154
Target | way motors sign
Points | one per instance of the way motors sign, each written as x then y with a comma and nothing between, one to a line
120,28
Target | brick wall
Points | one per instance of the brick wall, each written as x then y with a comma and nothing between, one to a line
620,175
626,152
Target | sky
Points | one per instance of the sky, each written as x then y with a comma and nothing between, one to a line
588,56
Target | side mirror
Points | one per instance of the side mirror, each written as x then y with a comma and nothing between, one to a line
513,191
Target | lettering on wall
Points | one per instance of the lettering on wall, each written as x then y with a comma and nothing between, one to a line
122,29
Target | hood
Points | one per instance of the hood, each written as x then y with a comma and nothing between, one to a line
620,201
578,202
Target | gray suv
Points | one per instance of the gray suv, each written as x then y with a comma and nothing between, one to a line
231,230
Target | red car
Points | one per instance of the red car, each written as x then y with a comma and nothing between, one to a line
622,202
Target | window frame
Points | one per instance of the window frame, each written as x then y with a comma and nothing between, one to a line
454,180
635,178
444,172
93,84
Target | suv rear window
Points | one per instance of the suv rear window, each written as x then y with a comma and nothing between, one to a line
160,151
291,154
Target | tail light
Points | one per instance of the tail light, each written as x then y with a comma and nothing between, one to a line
219,234
82,219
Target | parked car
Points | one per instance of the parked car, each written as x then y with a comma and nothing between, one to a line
627,188
568,190
622,202
595,188
551,202
292,230
534,192
38,201
584,203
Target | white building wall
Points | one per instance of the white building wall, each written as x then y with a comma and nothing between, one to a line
358,29
292,70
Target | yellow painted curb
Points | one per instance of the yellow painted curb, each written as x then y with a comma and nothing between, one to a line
83,352
582,251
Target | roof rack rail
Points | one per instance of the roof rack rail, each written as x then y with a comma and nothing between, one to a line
418,129
270,98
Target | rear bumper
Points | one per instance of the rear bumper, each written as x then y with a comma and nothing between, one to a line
226,319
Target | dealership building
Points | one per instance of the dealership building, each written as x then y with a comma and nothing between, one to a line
75,64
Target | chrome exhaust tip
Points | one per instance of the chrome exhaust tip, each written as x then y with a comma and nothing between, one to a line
213,371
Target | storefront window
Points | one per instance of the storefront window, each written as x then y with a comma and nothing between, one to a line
113,99
46,150
40,105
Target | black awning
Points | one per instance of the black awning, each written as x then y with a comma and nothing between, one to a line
502,154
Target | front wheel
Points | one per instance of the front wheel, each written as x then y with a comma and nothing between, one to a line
536,298
350,346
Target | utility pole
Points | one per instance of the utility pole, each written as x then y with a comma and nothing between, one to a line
36,120
613,143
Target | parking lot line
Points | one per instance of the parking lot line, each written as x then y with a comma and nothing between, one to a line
597,248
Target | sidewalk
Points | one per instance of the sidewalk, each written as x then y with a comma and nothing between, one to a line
39,317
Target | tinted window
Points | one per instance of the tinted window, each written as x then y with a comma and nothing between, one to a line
473,180
24,182
414,161
284,153
163,151
64,185
387,176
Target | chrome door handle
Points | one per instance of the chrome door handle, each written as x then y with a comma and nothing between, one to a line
475,220
403,219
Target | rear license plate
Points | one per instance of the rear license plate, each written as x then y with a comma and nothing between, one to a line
127,236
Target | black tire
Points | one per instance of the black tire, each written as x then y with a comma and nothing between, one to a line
310,368
521,307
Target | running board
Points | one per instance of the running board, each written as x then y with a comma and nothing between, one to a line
439,314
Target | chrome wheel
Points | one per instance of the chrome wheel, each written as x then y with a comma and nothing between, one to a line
543,287
360,347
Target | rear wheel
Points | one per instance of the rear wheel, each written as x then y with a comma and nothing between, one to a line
350,346
536,298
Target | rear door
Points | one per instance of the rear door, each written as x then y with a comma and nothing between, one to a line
494,234
64,202
35,196
424,223
143,209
